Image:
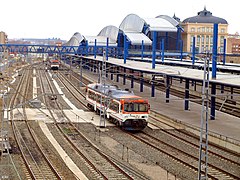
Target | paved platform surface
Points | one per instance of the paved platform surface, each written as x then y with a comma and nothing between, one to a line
181,72
224,125
68,161
197,63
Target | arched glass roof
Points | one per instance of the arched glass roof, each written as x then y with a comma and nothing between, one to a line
132,27
110,32
132,23
162,23
75,40
173,21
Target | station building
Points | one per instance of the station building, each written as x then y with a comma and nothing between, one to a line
201,27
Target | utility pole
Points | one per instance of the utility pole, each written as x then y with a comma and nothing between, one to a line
203,149
81,64
103,100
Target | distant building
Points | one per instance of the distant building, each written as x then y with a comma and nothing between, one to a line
3,38
233,43
201,27
36,41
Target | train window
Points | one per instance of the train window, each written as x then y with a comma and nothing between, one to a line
103,100
143,107
98,98
135,107
114,106
91,95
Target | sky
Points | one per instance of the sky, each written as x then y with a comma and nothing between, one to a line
62,18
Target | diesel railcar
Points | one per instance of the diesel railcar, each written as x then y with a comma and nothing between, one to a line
122,107
54,64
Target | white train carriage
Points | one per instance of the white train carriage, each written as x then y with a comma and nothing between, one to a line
125,109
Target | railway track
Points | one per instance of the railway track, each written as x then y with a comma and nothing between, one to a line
95,159
193,139
183,157
217,154
113,162
36,161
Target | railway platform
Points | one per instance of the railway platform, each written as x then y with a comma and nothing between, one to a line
224,127
174,71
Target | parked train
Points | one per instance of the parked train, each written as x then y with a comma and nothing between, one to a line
123,108
54,64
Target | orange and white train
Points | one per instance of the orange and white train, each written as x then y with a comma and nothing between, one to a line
54,64
125,109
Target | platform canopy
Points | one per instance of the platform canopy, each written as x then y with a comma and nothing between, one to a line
132,26
110,32
137,38
75,40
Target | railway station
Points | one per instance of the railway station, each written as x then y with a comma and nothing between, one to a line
144,100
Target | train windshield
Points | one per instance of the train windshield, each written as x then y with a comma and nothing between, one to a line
135,107
55,62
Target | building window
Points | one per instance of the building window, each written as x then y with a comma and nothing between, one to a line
211,39
203,29
203,49
221,39
198,39
222,30
207,29
197,49
207,39
221,49
192,36
192,29
211,29
211,48
203,39
198,30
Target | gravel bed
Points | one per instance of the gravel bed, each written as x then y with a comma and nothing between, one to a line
7,169
213,160
12,165
69,95
144,159
70,151
137,174
225,165
211,148
47,90
52,153
59,98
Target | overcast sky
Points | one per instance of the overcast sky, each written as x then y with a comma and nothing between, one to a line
61,19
